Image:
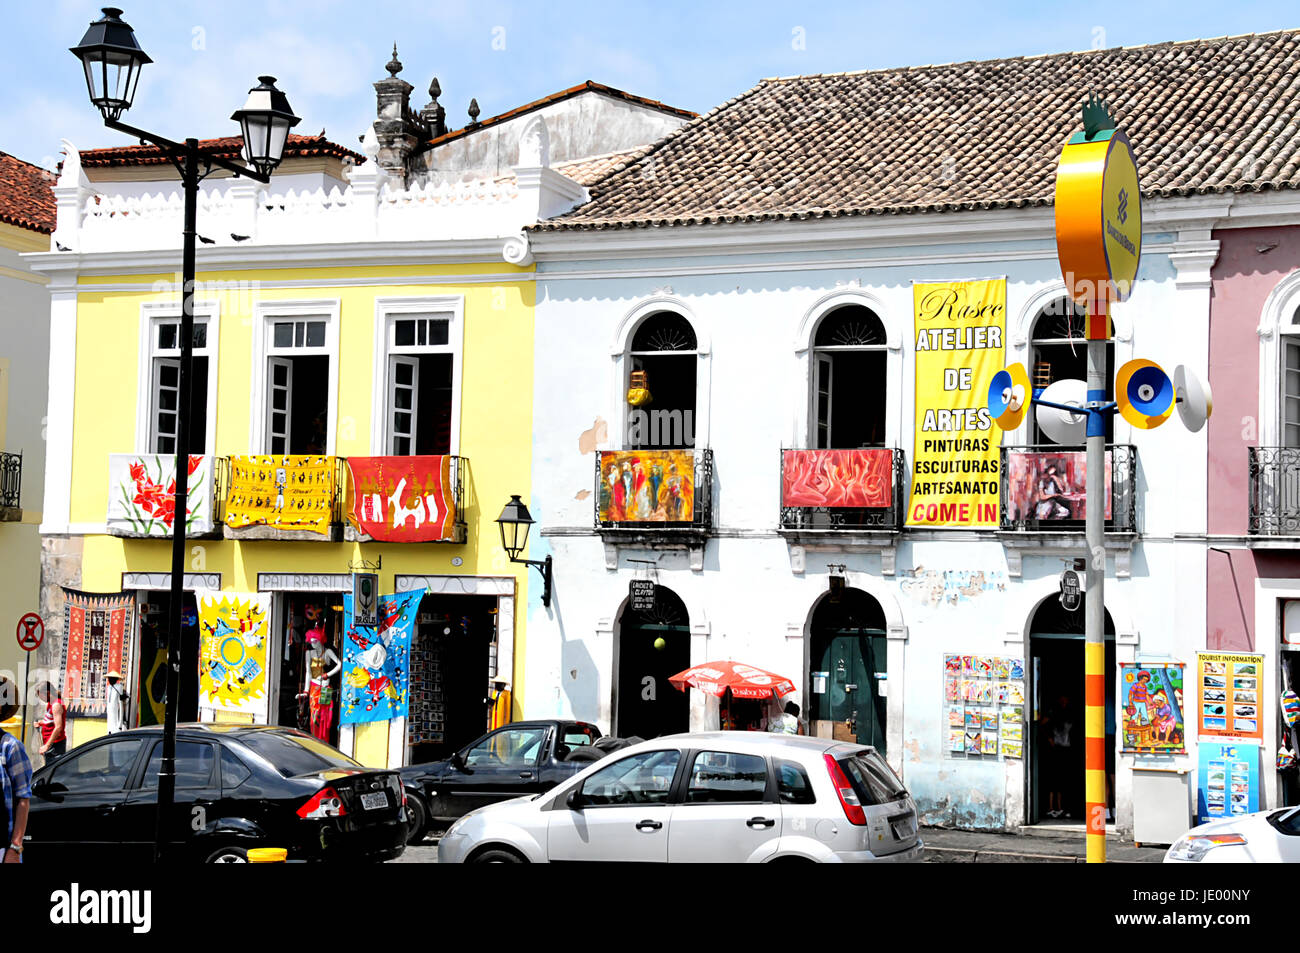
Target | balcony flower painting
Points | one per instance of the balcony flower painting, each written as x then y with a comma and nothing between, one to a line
647,486
1050,486
142,494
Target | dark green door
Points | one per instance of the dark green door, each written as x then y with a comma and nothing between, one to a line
853,660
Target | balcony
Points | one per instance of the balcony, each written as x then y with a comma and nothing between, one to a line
419,499
654,499
1274,491
11,487
1043,489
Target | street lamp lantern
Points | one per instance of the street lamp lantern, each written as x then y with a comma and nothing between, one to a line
266,120
112,59
514,522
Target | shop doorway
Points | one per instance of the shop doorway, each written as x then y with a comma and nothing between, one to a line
652,647
151,674
303,612
1290,671
1056,708
452,665
846,669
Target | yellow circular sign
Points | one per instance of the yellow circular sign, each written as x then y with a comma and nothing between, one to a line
1098,217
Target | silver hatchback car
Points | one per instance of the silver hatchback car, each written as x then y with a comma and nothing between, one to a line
727,796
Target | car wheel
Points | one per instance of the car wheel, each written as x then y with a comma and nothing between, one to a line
228,855
417,818
497,856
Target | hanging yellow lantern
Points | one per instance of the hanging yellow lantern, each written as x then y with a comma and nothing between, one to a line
638,389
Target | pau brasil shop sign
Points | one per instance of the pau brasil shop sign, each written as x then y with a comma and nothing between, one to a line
960,327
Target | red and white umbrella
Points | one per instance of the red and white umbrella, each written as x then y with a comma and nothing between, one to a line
745,681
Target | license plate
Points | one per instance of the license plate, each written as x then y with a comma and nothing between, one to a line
904,829
370,802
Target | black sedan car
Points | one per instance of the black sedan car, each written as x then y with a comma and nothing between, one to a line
237,787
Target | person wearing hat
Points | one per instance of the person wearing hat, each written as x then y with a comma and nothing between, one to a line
117,697
15,779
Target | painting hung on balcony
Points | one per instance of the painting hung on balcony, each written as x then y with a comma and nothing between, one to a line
647,486
1050,486
848,478
290,493
402,499
142,494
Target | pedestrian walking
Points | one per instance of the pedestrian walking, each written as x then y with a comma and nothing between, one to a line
53,723
117,699
15,779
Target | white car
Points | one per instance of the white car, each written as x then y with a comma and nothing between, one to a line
727,796
1265,837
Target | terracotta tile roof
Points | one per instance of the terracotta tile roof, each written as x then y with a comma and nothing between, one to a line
588,86
1204,116
26,195
591,169
227,147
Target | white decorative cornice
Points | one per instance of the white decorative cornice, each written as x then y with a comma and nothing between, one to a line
1193,256
516,250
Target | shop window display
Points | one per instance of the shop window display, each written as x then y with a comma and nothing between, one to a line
309,665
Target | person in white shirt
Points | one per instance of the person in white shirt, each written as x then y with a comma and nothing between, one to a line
788,722
117,698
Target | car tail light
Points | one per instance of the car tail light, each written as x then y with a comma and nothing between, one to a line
324,803
848,797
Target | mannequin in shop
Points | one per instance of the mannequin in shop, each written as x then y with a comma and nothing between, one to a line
317,685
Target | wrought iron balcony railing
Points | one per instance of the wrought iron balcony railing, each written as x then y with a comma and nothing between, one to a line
1043,488
654,490
11,484
1274,491
842,490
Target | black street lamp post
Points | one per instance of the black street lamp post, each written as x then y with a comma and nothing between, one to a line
112,60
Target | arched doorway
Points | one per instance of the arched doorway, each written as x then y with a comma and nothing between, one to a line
1056,709
652,647
846,664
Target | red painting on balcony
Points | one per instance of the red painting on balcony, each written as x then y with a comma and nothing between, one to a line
1050,486
843,478
403,499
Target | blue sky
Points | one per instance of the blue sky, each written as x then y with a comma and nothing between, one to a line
326,53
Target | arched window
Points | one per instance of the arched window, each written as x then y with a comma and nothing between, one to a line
1289,339
849,380
661,384
1058,350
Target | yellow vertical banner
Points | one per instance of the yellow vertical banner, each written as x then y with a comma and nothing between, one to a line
960,327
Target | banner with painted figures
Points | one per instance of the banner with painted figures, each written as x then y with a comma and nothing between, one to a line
234,631
403,499
849,478
647,486
288,493
960,327
142,494
99,632
377,660
1151,708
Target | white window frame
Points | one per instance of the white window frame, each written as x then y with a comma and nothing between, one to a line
388,311
152,314
827,353
1280,319
265,315
805,424
621,354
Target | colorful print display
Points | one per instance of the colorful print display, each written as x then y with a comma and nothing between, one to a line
1151,708
142,494
1228,783
1050,486
1230,687
234,629
291,493
377,660
402,499
851,478
96,643
959,328
984,698
647,486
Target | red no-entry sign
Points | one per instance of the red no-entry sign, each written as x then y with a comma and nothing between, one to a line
31,632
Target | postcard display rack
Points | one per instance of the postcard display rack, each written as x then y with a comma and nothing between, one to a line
984,705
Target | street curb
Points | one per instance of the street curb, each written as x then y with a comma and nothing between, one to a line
967,855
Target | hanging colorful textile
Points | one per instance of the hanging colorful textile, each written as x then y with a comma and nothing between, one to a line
289,493
402,499
99,632
142,494
377,661
234,631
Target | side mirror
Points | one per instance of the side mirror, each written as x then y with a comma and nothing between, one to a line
574,800
457,761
